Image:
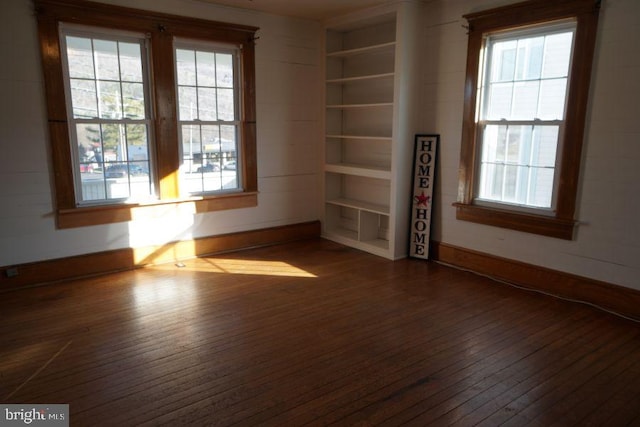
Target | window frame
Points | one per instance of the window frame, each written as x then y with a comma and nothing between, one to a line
71,30
161,30
558,222
216,48
490,41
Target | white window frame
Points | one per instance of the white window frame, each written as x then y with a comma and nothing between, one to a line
66,29
213,47
545,29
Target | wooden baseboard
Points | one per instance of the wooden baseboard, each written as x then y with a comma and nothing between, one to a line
54,270
616,298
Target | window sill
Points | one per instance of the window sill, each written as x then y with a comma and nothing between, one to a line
108,214
537,224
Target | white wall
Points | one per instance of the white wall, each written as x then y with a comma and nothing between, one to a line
288,111
607,244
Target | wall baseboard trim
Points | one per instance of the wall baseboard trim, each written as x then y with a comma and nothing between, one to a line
55,270
618,299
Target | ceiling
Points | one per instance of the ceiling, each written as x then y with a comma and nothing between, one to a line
307,9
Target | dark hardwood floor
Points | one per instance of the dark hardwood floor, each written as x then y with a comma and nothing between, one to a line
313,333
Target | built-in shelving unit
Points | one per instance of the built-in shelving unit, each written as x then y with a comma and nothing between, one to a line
369,128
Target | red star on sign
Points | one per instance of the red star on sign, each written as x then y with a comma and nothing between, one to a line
422,200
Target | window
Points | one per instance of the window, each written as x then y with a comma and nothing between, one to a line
528,72
522,102
207,109
108,116
145,109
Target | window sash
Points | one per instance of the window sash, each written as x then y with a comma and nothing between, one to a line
519,199
194,178
102,190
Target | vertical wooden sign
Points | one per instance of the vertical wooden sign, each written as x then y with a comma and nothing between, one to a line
424,162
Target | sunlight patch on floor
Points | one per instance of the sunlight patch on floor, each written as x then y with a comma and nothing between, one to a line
240,266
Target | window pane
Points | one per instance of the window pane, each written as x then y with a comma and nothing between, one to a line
186,67
139,179
130,62
109,100
557,55
83,98
552,99
191,172
504,61
529,63
491,179
117,180
519,144
228,138
525,100
545,145
207,104
211,139
89,142
510,184
89,157
188,103
206,68
224,70
113,142
231,165
226,108
106,58
133,99
191,146
80,57
495,140
500,96
213,153
541,187
137,143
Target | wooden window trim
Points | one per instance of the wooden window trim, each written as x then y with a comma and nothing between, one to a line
562,223
162,29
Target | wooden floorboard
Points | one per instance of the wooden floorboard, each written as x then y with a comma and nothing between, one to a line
314,333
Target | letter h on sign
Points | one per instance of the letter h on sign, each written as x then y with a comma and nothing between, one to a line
424,158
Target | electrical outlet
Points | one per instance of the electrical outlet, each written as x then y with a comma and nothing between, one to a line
11,272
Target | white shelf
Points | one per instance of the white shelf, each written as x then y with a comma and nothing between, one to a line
344,80
372,137
347,235
377,243
382,47
358,170
357,204
372,105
